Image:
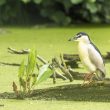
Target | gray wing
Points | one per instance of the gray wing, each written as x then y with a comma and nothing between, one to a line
96,58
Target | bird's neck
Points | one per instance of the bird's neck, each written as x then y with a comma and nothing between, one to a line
84,42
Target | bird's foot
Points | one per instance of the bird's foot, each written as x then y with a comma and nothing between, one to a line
88,83
88,80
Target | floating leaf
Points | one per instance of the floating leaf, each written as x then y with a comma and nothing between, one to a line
44,73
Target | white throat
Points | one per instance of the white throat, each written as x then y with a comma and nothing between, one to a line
84,39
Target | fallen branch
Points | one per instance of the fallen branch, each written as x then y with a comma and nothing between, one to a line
10,64
77,75
62,61
26,51
75,57
14,51
72,57
66,59
51,67
67,73
42,60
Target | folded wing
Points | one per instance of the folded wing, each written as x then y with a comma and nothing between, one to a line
96,59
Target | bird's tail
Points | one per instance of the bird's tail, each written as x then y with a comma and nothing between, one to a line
100,75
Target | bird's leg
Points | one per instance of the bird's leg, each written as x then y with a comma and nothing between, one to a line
89,78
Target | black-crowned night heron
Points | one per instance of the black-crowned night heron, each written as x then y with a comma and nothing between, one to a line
90,56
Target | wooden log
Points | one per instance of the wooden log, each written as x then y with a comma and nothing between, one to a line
72,57
72,64
77,75
75,57
71,60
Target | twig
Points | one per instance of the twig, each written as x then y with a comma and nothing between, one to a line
10,64
37,66
26,51
54,73
67,73
42,60
62,61
50,66
54,77
15,89
14,51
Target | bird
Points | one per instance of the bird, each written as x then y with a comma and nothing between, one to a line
90,57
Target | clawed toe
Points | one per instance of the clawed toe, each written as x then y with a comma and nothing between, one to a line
88,80
89,83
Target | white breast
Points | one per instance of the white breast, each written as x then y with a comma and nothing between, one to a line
84,56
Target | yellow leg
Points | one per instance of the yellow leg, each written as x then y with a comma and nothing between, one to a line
89,78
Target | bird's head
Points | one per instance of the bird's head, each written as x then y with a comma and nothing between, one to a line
80,37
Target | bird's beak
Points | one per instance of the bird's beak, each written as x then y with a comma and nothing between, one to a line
72,38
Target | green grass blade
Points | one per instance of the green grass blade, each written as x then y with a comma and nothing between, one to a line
31,62
44,73
22,82
34,79
21,69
